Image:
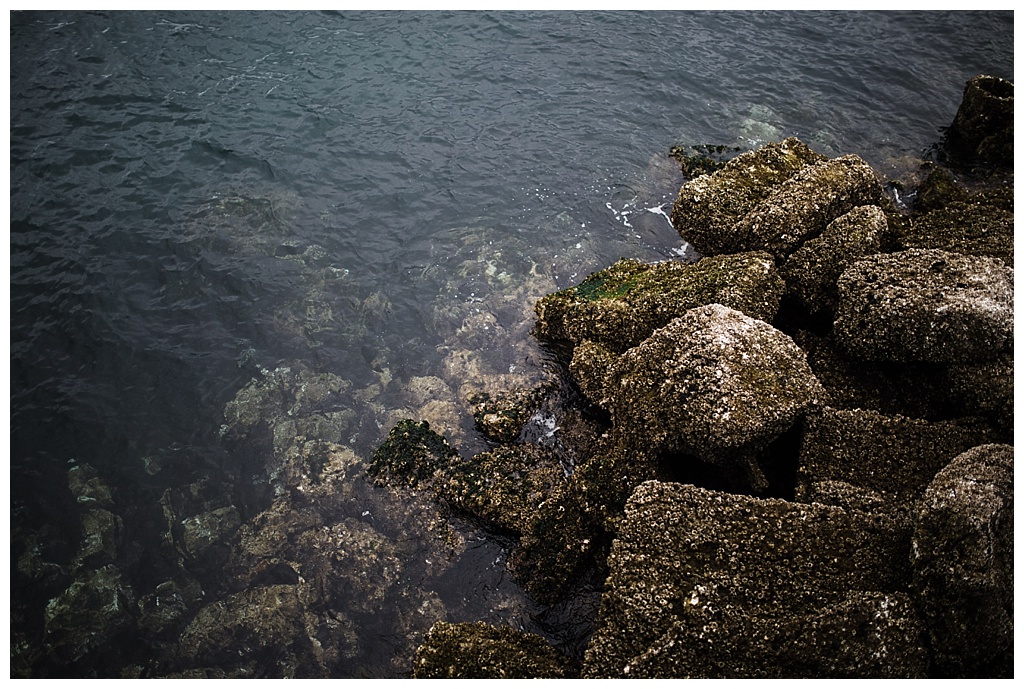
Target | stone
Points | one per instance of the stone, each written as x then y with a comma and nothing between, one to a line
203,530
963,563
708,206
925,305
894,457
475,650
704,584
801,208
812,271
411,454
982,130
715,384
986,388
89,615
978,224
620,306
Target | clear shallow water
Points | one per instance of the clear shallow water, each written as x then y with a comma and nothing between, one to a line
197,198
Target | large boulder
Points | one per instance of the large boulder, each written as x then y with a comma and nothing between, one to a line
925,305
620,306
705,584
707,207
475,650
714,383
963,563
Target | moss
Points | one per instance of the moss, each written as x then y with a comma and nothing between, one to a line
620,306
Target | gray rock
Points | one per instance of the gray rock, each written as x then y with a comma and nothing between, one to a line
475,650
715,384
963,563
925,305
707,584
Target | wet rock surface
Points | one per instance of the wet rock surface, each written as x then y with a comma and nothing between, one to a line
478,651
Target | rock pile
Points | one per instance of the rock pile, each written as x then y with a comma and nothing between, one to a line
802,462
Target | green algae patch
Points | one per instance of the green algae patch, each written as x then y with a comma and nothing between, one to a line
620,306
411,453
476,650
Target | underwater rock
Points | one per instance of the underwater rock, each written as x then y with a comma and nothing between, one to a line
620,306
88,488
893,457
89,615
168,606
474,650
705,584
101,537
203,530
963,563
261,630
707,207
502,417
982,130
812,270
925,305
713,383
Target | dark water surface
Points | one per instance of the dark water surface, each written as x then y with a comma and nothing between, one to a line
201,200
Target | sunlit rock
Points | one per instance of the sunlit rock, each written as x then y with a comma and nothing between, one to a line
620,306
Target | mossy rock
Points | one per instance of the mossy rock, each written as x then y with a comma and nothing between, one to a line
707,207
476,650
620,306
978,224
503,487
501,417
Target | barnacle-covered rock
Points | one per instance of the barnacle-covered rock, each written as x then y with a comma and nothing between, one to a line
707,207
620,306
812,270
925,305
894,457
714,383
475,650
963,563
705,584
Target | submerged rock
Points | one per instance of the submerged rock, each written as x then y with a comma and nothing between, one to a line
705,584
963,563
925,305
713,383
474,650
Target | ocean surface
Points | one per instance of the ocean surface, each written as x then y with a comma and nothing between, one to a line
206,203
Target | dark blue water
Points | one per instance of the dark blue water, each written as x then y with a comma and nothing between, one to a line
199,199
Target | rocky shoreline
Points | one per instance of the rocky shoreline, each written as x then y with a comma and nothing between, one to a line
792,457
797,458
